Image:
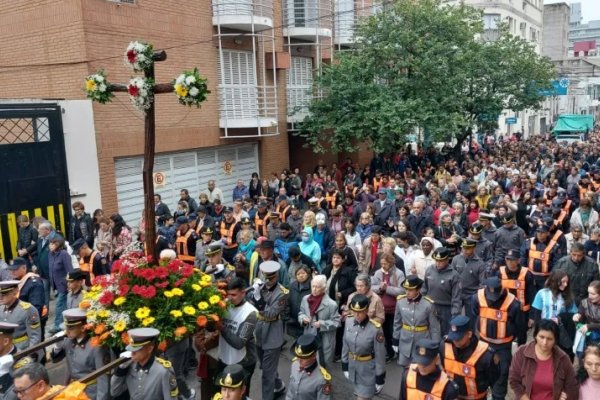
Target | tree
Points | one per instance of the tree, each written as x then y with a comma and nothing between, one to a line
422,65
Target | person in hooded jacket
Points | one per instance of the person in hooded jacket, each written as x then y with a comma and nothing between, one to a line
309,247
299,288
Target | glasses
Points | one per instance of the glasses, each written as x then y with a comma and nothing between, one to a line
22,391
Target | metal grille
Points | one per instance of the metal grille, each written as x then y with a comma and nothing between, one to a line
24,130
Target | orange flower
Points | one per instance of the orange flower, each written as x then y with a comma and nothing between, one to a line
201,321
88,327
162,346
100,329
95,341
125,338
223,292
104,336
222,304
222,285
180,331
85,304
215,317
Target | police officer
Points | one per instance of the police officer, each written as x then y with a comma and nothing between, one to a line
472,272
363,343
21,313
216,266
228,230
232,381
489,230
468,361
425,379
270,299
185,244
145,376
92,262
484,249
262,219
499,315
308,380
7,350
206,239
539,254
82,357
414,319
442,285
32,289
518,281
509,236
75,281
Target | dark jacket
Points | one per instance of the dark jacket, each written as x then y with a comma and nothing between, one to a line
82,228
60,265
161,211
580,275
28,240
33,292
297,292
349,253
524,364
418,223
384,213
41,259
344,280
353,211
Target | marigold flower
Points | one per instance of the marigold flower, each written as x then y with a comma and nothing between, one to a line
206,278
120,326
215,317
196,287
177,292
162,346
142,312
95,341
202,305
176,313
104,313
104,336
201,321
205,284
119,301
222,304
168,294
180,331
214,299
85,304
125,338
148,321
189,310
100,328
90,85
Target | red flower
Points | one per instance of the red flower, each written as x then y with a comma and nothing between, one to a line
131,56
133,90
106,298
123,290
179,282
162,285
149,292
187,271
173,266
161,272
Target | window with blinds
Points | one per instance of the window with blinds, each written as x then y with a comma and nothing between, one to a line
299,85
238,93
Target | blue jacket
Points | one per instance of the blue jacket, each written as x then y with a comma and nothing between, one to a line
283,245
240,193
41,258
324,238
310,247
60,265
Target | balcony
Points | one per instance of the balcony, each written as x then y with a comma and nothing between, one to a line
347,15
308,20
243,15
247,106
490,35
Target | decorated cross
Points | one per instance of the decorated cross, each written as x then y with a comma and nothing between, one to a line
190,88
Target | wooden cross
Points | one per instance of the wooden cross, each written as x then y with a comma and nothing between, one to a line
149,150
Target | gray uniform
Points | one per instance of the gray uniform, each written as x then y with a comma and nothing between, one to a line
312,383
473,272
364,340
26,316
269,335
485,251
410,320
443,287
506,239
74,300
489,234
83,359
329,320
155,381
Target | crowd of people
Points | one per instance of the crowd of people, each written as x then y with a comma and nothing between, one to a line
431,260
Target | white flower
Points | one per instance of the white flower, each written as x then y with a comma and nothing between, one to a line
102,87
190,79
194,91
99,78
143,92
140,58
180,79
139,47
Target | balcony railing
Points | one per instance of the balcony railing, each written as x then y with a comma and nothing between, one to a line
308,17
247,106
298,100
244,14
490,35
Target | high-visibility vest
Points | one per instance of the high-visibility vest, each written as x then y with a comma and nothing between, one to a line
88,266
466,370
516,286
283,214
331,199
181,245
582,192
563,213
500,316
227,233
543,256
354,191
377,184
261,223
412,393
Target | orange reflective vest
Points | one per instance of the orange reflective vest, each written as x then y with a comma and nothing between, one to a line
542,256
466,370
516,286
283,214
227,233
181,245
331,199
412,393
582,192
377,184
88,266
261,223
354,191
500,316
563,213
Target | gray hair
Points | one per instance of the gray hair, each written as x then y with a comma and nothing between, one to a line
596,231
45,225
35,371
320,280
576,227
364,278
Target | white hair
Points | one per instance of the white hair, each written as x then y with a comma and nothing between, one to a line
320,280
168,254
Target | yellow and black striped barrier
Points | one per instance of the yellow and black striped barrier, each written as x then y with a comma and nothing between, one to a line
9,229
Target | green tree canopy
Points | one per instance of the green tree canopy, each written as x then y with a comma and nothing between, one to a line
421,64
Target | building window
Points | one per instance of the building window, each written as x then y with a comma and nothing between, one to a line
491,32
238,92
299,85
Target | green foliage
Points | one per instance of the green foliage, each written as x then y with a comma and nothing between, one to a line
421,64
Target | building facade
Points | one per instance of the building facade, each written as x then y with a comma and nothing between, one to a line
555,43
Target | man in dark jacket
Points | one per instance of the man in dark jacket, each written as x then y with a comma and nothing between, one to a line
582,271
418,221
27,242
385,210
296,260
31,289
161,210
82,226
46,234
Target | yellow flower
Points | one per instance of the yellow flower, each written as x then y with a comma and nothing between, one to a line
202,305
120,326
103,313
119,301
148,321
206,278
90,85
196,287
177,292
214,299
142,312
176,313
180,90
90,314
189,310
205,284
168,294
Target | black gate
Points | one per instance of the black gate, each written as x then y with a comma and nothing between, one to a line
33,169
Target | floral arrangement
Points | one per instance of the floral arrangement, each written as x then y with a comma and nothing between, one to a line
174,297
141,92
97,88
190,88
139,56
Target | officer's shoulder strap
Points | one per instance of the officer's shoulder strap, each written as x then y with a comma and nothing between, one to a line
163,362
400,296
429,299
230,267
325,374
24,305
377,324
218,396
284,289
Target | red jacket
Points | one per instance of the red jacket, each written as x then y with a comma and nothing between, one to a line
524,364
